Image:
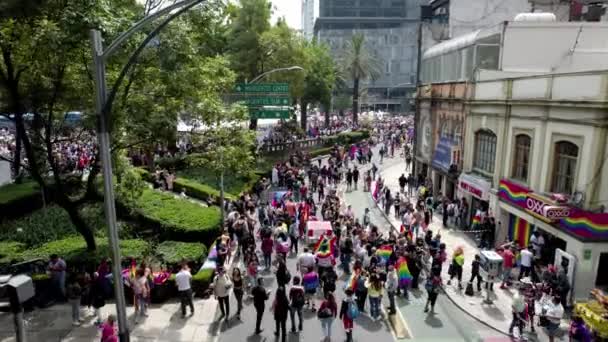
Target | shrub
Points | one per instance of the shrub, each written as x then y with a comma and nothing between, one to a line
233,184
74,250
178,219
202,280
48,224
197,190
10,251
173,252
320,151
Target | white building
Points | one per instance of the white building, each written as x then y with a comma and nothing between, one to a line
310,12
537,126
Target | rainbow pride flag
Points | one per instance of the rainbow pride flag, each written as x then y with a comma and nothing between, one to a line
476,219
385,252
352,282
403,272
325,246
310,281
520,230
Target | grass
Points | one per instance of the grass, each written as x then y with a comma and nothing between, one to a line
12,192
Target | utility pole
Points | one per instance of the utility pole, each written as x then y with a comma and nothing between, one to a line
417,102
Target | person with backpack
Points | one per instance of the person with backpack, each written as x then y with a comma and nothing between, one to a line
327,313
455,269
310,281
360,291
348,313
267,247
297,300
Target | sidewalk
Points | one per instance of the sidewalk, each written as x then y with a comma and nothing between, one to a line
496,315
164,323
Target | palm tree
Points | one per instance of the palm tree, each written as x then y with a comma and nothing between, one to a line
359,65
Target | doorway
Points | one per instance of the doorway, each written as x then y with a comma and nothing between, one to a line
601,279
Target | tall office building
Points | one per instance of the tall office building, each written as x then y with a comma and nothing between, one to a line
390,30
310,12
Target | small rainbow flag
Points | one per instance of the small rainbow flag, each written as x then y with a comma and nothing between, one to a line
324,247
133,269
520,230
476,218
352,282
405,277
385,252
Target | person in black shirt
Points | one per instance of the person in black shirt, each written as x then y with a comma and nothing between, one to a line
260,295
475,272
355,177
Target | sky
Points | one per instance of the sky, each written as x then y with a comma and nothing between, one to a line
290,9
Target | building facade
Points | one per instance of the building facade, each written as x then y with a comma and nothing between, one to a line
390,30
310,12
550,138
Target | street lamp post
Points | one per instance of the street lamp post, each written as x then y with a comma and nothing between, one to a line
103,104
259,77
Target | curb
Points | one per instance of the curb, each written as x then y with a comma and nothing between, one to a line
480,320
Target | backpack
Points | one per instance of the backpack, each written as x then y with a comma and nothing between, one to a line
360,284
298,299
352,312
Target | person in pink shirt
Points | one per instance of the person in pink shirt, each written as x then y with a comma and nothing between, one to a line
108,330
508,259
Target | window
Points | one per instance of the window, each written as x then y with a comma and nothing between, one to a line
485,151
564,167
521,157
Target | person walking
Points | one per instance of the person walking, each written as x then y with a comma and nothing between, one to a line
98,298
375,290
518,308
348,312
526,262
455,270
355,177
221,289
392,282
141,289
349,180
508,259
328,311
297,300
402,183
433,284
184,288
267,247
475,272
74,292
57,267
280,308
283,275
360,291
294,235
238,290
260,296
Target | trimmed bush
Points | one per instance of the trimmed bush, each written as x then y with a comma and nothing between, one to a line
197,190
74,250
233,184
173,252
320,151
178,219
201,281
10,251
48,224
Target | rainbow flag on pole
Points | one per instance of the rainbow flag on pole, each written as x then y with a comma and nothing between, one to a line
520,230
352,282
385,252
403,272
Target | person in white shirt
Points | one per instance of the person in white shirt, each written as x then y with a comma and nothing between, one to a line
554,312
525,262
538,242
306,261
182,280
221,289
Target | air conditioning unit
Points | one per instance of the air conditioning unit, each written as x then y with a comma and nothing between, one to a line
441,11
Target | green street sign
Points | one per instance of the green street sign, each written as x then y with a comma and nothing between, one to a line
273,88
266,101
270,114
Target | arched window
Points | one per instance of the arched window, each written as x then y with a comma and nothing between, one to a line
564,167
521,157
485,151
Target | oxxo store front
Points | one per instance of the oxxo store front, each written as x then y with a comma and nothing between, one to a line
576,240
476,191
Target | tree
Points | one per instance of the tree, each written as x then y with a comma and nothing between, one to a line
319,81
248,22
359,65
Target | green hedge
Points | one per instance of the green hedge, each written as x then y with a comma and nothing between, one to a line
178,219
74,250
173,252
320,151
10,251
234,184
48,224
201,281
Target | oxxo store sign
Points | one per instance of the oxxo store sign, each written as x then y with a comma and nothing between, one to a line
545,209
